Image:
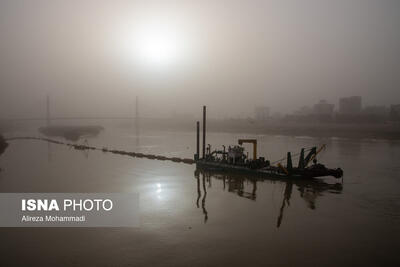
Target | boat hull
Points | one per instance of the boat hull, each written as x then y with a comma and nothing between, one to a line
271,172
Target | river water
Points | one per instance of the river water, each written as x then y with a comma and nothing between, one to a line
211,219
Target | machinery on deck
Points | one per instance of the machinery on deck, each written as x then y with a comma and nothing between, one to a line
251,141
235,159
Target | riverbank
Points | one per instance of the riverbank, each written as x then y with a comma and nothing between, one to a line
389,131
354,131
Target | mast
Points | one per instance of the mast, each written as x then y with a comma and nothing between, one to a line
204,132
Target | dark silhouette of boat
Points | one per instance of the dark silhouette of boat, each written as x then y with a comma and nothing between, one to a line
234,159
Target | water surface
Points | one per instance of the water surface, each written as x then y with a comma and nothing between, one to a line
211,219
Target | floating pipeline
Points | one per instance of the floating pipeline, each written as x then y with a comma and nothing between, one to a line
106,150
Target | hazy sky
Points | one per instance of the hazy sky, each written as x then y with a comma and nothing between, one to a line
94,57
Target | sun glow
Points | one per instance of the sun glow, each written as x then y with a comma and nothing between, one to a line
153,44
157,45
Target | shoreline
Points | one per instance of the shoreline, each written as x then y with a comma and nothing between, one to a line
381,131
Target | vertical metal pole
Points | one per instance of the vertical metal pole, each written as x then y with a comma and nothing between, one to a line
198,141
137,114
255,150
137,108
204,132
137,122
48,111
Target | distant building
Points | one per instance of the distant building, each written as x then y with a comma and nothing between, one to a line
320,112
395,112
375,110
323,108
262,113
350,105
303,111
277,116
374,114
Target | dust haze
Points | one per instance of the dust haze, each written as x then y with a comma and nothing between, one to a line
232,57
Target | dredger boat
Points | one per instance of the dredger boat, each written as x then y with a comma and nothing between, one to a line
234,159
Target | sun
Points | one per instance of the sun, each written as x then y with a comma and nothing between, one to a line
152,44
157,45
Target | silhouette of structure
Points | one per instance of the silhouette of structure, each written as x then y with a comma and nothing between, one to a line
350,105
137,122
48,118
204,132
